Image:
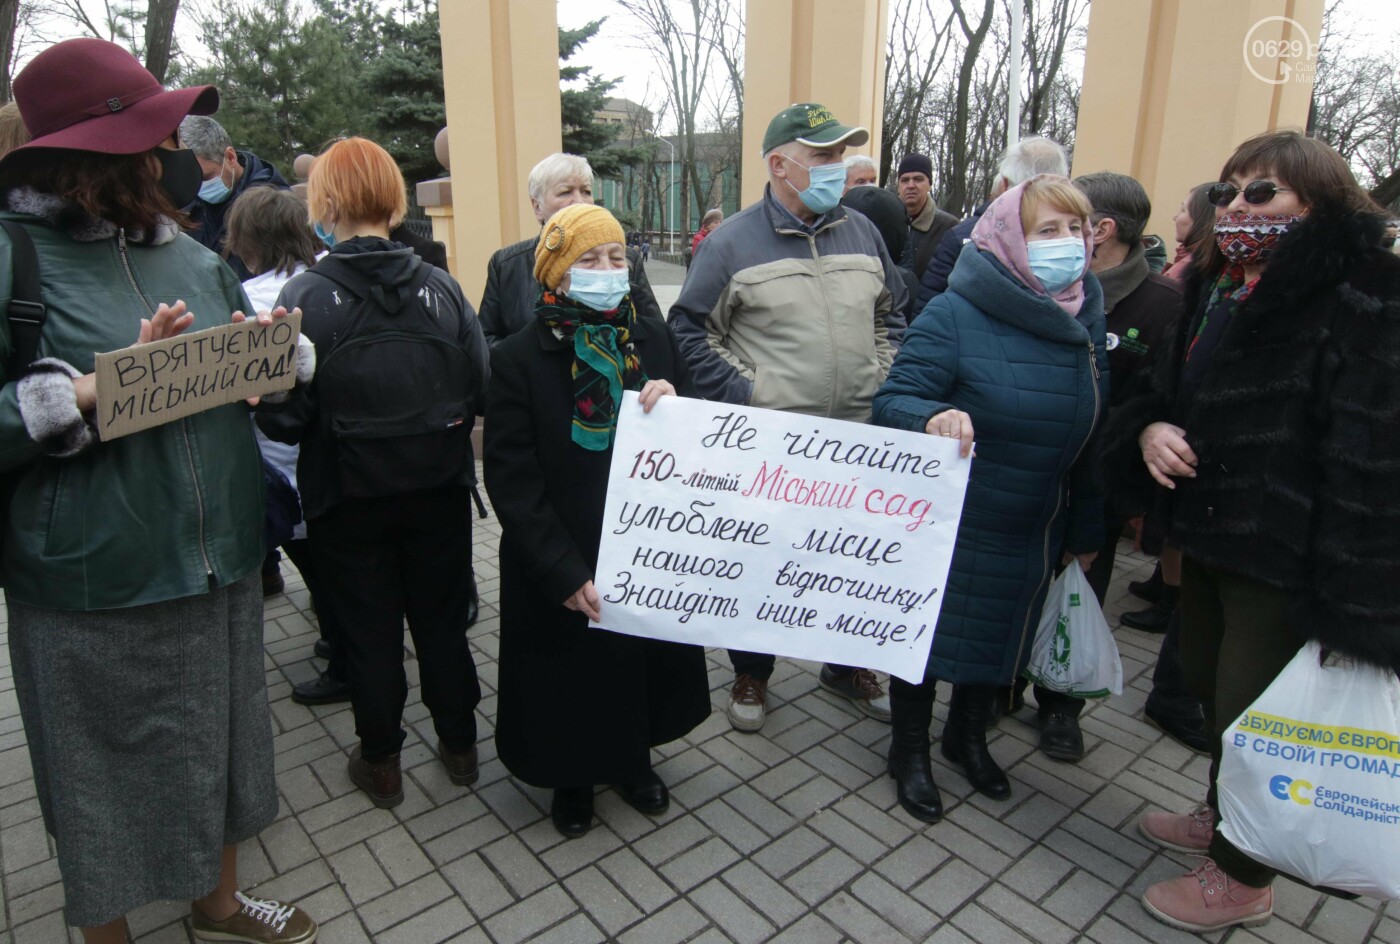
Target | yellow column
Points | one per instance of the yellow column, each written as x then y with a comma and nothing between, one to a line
500,65
827,51
1171,87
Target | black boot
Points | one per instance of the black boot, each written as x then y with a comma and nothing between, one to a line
1155,618
1149,589
909,764
965,740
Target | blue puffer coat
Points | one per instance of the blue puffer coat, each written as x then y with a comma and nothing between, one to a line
1033,379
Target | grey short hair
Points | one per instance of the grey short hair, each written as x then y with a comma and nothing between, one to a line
860,160
1121,199
205,136
1031,156
555,169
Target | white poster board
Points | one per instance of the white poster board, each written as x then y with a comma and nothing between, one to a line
742,528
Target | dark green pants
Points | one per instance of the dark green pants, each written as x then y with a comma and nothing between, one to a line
1234,643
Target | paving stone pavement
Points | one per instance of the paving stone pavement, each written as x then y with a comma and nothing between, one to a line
791,835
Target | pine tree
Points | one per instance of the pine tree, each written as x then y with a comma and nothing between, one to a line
583,133
285,79
403,89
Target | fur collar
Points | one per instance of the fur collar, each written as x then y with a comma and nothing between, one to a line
1317,253
80,226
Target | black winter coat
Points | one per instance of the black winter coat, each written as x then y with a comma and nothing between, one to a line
508,301
438,309
210,219
576,705
1296,427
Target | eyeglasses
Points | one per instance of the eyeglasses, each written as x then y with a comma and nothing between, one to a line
1259,191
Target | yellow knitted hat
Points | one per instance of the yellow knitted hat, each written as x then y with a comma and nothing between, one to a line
569,234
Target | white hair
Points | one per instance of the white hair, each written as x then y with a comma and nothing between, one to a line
557,169
205,137
1031,156
860,160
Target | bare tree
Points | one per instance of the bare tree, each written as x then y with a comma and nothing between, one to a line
918,44
973,34
958,115
9,24
724,31
1046,34
1356,107
160,34
684,56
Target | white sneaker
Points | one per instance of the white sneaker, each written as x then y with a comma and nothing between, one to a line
747,703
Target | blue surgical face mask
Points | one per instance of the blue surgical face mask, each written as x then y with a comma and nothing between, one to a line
215,190
825,183
1058,263
599,289
326,236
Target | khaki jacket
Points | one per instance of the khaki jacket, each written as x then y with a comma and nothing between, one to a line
783,316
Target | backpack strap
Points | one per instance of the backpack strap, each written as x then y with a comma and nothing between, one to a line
360,288
27,312
353,280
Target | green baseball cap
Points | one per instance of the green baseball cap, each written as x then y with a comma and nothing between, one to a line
813,125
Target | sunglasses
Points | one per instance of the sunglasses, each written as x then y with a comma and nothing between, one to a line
1259,191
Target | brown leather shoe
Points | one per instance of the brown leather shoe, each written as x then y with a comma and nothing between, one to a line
382,781
460,767
257,921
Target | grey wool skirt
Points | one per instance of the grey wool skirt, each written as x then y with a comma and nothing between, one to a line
151,741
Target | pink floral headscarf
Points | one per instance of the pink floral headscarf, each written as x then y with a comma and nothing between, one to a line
1000,232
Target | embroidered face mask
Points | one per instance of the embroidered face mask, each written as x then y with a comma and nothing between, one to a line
1247,239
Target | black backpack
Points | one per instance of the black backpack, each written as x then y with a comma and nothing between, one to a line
394,391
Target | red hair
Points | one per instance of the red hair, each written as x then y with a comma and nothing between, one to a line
356,179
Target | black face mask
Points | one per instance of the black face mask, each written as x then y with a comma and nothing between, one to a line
180,175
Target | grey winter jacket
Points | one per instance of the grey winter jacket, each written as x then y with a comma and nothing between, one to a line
783,316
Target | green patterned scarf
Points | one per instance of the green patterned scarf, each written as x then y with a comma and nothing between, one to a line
605,363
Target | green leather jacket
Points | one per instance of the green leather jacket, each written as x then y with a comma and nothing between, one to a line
160,514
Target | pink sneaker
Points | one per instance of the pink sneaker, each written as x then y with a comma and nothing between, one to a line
1208,900
1184,832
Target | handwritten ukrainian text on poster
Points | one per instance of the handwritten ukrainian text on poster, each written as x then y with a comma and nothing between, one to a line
751,529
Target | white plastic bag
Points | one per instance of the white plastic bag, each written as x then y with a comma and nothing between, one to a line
1074,651
1310,776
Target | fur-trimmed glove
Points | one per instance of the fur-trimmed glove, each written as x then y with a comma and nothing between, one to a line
306,369
48,404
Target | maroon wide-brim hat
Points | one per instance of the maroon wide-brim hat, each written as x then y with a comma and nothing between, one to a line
92,95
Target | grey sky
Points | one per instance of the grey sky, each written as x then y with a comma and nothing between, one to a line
615,53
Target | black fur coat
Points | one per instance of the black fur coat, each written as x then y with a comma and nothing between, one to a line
1297,430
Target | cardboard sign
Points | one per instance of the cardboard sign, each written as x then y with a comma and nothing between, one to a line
751,529
153,384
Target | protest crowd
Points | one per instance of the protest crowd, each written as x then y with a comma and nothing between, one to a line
1233,409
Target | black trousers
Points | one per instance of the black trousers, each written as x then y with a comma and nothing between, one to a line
760,664
1171,697
384,559
300,552
1235,640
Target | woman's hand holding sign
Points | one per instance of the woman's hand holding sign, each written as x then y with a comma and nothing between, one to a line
954,424
263,318
586,601
653,391
168,321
